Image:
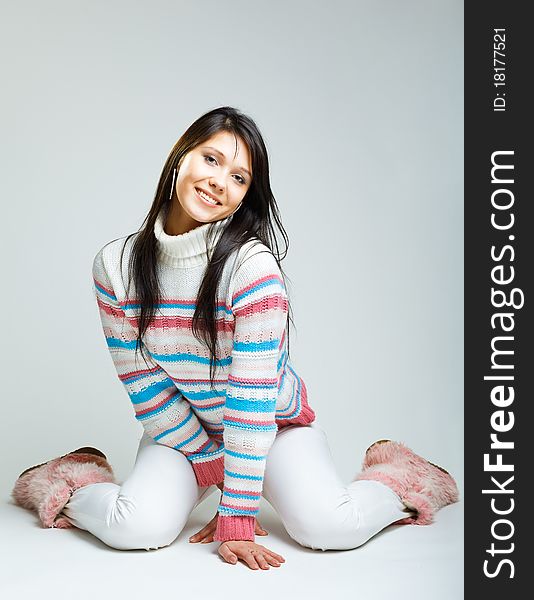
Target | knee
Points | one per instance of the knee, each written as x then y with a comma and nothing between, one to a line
139,538
310,533
328,540
140,530
328,533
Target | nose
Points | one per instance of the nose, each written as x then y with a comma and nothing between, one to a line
216,182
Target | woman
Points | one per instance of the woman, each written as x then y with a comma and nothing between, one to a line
205,306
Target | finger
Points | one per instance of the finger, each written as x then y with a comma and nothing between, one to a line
208,539
227,554
274,555
261,561
271,560
259,527
250,560
201,534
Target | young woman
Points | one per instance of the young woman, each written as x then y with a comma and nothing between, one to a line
198,292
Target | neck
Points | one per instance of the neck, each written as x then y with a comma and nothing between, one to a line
188,249
178,221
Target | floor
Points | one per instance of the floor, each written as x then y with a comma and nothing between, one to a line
402,562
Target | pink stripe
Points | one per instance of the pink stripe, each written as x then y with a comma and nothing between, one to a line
197,380
164,303
174,322
108,290
177,322
124,376
252,381
201,403
248,492
237,507
255,283
108,309
206,443
263,304
155,406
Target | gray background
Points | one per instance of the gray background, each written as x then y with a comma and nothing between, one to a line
361,107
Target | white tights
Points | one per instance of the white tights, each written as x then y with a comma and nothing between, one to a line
150,509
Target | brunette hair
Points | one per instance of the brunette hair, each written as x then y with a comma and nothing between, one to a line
256,218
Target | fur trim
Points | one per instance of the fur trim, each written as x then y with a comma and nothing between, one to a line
47,488
421,485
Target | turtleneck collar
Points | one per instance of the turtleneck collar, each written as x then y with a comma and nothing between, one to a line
188,249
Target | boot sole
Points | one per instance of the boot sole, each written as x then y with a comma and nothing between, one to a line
430,463
84,450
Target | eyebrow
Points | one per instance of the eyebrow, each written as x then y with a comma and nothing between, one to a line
221,154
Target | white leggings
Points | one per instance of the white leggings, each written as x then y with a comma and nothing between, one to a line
150,509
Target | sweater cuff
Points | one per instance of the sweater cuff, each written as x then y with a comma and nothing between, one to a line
235,528
209,472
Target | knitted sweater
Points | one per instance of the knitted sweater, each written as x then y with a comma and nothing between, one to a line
225,433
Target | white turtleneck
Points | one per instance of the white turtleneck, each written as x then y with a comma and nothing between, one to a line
186,249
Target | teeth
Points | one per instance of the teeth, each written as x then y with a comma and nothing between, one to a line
203,195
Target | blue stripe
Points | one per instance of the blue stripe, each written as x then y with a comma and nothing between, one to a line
241,476
208,408
189,358
213,430
242,455
150,392
116,343
184,305
190,439
228,421
205,453
256,346
299,393
237,513
283,356
297,410
103,291
258,286
244,496
251,406
204,395
167,431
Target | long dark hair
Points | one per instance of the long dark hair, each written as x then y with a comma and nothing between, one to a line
253,220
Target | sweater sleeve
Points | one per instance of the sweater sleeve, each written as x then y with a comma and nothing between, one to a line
259,305
159,406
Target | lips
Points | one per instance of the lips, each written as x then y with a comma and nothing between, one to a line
197,190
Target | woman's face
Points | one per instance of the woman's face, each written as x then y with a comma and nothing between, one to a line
209,169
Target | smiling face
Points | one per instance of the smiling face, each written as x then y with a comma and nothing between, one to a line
211,183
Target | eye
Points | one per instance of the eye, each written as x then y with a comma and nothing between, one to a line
208,158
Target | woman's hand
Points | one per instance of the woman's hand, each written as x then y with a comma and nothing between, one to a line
205,535
255,555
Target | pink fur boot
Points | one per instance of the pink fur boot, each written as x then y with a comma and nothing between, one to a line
46,488
421,485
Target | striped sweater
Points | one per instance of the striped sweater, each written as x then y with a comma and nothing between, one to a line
225,433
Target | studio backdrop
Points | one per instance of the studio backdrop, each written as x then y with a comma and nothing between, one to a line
361,107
